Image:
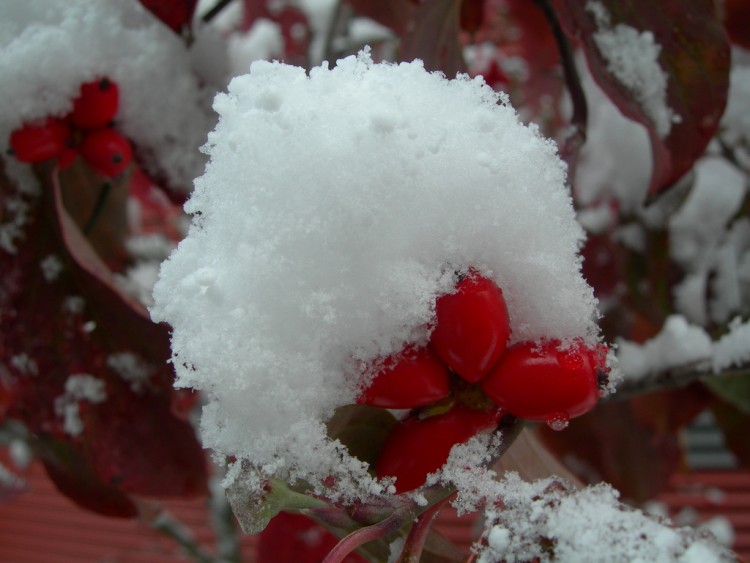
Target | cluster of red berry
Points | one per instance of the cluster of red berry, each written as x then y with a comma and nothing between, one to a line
467,378
86,131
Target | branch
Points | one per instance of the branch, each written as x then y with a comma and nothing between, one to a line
671,379
576,136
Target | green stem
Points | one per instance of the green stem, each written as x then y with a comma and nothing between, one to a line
174,529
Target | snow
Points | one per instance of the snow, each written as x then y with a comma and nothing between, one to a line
736,118
615,162
681,344
51,267
51,48
632,56
335,209
699,224
549,520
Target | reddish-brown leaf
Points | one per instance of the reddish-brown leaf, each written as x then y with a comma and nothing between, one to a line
136,445
73,476
434,38
695,58
611,444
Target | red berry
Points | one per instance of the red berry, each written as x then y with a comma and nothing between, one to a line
472,327
67,158
417,447
413,378
96,105
107,152
546,383
37,142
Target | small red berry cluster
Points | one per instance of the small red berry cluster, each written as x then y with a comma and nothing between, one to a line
87,131
469,369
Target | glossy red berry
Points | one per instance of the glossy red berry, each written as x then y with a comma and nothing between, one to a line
413,378
545,382
106,152
96,105
417,447
36,142
472,327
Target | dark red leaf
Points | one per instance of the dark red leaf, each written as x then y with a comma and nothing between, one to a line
434,38
694,57
73,476
176,14
138,446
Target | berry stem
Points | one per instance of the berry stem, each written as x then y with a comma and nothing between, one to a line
367,534
418,535
101,200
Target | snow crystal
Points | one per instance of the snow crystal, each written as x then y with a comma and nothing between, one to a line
51,267
335,209
50,48
632,56
679,344
131,368
79,387
25,364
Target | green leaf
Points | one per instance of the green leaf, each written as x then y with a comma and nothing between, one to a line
255,510
734,423
734,389
362,429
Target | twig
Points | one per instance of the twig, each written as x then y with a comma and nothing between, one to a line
215,11
173,528
672,379
576,137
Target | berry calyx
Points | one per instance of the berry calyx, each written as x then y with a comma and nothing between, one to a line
410,379
472,327
96,105
547,382
416,447
106,152
37,142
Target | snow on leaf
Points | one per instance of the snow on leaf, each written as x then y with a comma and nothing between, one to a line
664,66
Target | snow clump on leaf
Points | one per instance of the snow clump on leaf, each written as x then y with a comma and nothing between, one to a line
334,211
